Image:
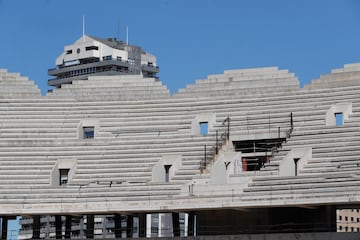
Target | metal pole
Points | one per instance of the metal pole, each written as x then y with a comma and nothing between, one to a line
205,156
279,133
217,143
228,128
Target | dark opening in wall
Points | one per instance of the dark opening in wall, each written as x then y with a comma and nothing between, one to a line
63,176
257,152
167,171
92,48
88,132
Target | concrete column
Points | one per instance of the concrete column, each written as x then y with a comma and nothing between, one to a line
90,226
47,228
142,225
129,226
58,227
103,227
36,227
175,224
4,227
117,225
191,224
82,228
68,221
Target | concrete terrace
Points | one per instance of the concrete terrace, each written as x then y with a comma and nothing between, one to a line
138,128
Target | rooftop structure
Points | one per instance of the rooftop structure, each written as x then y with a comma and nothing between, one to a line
244,152
96,56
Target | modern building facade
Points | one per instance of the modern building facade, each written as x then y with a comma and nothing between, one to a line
240,153
90,56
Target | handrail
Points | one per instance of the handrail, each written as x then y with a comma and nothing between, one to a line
219,143
224,136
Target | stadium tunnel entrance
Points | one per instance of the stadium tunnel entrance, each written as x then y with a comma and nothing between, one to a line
266,220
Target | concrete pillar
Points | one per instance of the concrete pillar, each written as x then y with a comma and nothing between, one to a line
129,226
58,227
175,224
68,221
82,227
117,225
191,224
36,227
90,226
47,228
4,227
103,227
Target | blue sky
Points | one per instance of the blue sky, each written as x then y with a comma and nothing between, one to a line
191,38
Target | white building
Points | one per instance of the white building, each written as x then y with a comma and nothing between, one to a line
97,56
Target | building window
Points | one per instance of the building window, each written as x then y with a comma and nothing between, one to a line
204,128
89,132
107,57
339,119
69,51
89,48
340,217
296,160
64,176
167,172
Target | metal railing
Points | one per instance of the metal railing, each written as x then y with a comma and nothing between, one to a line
220,141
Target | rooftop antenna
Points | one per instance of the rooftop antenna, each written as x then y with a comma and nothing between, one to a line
127,35
83,28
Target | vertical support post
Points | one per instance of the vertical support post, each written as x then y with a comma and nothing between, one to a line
217,143
205,157
47,228
82,228
142,225
191,224
117,225
279,133
228,128
68,221
89,226
36,227
4,227
176,224
129,226
58,227
291,121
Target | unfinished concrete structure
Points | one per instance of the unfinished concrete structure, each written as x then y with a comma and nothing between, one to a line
243,152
